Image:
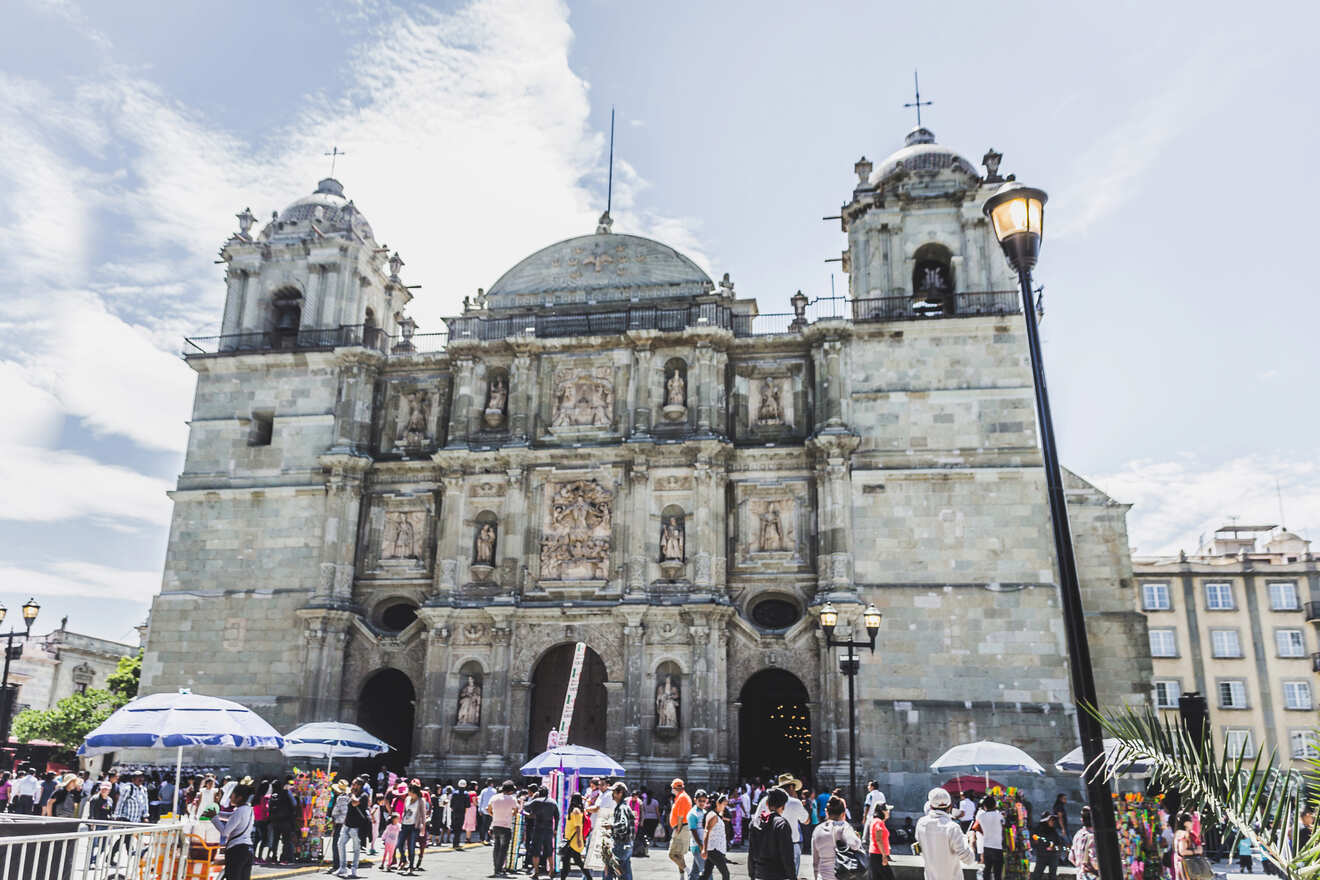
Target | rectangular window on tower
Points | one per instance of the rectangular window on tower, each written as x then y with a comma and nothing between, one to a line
261,429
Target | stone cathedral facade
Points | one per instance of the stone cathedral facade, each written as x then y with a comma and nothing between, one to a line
411,530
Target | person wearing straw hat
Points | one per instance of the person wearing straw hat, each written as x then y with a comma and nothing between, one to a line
941,844
338,813
794,812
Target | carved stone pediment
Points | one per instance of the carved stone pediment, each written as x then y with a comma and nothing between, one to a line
582,397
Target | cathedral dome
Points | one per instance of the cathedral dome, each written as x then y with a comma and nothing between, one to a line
328,208
920,153
598,268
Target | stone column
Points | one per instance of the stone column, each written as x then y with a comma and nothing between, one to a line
696,699
339,530
521,384
706,529
449,552
237,281
634,684
828,356
638,528
642,380
834,564
512,547
705,386
460,408
326,636
433,740
511,688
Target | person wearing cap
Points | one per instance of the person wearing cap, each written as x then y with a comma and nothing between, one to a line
1047,842
622,826
989,821
941,843
795,812
458,804
679,835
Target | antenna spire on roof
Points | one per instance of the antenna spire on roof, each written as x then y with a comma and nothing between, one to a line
918,103
609,187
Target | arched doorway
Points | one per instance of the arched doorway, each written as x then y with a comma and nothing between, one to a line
550,684
774,727
386,708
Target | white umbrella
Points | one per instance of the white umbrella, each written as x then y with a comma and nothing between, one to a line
179,720
569,759
325,739
986,757
1075,762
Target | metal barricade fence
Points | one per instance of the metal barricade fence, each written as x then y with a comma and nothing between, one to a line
95,851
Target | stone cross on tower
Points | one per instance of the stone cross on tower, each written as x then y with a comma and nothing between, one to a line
918,103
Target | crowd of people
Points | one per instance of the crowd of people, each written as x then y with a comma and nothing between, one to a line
781,822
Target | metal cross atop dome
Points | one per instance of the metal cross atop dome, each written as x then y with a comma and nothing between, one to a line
918,103
335,153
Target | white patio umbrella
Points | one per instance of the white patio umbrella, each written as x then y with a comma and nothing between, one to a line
1075,762
326,739
569,759
178,721
986,757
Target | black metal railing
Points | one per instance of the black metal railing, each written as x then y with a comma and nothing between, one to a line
1312,610
561,323
954,305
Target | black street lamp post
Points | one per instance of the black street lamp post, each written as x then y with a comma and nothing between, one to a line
30,609
849,666
1016,212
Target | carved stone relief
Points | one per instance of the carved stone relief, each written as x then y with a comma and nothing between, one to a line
775,526
483,549
404,535
583,398
469,702
497,401
667,697
576,532
414,419
672,539
769,403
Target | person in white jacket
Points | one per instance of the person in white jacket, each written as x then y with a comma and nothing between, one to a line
943,845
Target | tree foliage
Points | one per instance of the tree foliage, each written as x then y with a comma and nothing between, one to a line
1262,800
69,721
124,680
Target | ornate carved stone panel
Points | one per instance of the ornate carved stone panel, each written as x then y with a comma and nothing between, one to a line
582,397
412,415
770,400
399,536
576,531
773,523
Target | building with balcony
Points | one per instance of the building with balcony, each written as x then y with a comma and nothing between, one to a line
1236,621
413,530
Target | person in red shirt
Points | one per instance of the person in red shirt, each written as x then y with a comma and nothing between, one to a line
877,835
679,833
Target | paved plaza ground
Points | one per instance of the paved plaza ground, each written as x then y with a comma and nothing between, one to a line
474,863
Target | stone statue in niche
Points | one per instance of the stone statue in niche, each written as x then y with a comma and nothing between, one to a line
497,398
469,702
771,536
403,534
676,389
671,539
485,545
770,411
666,703
575,537
583,398
414,417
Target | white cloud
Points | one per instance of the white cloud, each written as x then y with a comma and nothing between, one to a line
84,579
1178,500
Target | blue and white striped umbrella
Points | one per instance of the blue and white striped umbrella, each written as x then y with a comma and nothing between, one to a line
182,720
1075,762
339,739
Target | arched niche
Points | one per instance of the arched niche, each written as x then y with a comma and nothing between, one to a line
471,682
676,383
672,549
932,276
495,413
668,697
286,306
485,541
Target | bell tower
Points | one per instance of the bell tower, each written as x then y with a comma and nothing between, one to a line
916,234
314,276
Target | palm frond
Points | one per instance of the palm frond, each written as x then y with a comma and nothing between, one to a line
1261,800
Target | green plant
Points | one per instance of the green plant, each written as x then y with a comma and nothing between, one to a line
69,721
1261,800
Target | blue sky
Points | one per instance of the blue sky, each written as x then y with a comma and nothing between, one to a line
1177,141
